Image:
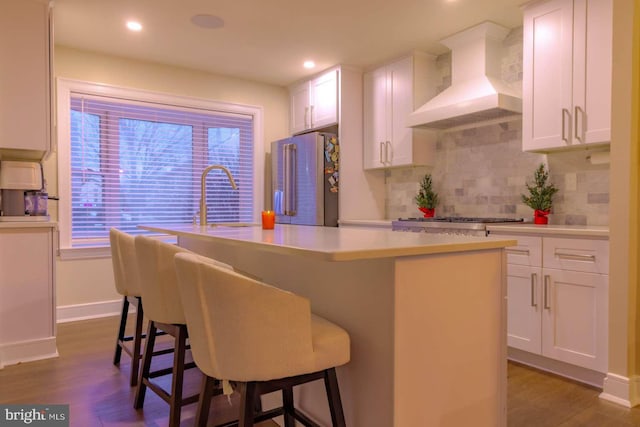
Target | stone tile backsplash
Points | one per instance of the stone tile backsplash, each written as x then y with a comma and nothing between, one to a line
483,171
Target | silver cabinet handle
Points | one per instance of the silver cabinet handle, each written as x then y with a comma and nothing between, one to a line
306,117
380,154
578,130
575,257
565,112
547,279
311,117
388,158
534,279
516,251
290,179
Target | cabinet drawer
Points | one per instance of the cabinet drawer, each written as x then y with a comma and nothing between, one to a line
528,251
591,256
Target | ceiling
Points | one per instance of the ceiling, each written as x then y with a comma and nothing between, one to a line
268,40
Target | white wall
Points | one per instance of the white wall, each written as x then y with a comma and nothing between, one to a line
624,235
91,280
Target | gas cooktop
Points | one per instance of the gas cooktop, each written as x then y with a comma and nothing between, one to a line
463,219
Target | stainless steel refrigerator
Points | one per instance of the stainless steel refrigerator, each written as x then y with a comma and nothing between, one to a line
305,172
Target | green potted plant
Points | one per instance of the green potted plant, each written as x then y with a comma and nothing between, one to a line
540,197
427,199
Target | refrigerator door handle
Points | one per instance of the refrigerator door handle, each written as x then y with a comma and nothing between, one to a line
277,202
289,179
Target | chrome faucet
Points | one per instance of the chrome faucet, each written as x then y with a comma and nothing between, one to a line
203,189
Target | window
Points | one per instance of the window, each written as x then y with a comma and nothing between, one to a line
137,158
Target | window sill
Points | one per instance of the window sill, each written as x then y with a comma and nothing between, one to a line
69,254
96,252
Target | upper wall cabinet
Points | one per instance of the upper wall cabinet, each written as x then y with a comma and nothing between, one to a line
391,93
25,82
314,104
567,74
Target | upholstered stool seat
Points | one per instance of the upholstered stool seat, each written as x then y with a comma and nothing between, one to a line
125,272
259,337
164,310
330,343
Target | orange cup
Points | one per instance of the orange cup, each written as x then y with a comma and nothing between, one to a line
268,220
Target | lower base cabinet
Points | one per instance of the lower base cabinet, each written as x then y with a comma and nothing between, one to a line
559,313
27,303
575,318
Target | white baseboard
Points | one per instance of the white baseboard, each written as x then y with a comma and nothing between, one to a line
557,367
621,390
27,351
94,310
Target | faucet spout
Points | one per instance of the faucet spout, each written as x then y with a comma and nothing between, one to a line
203,189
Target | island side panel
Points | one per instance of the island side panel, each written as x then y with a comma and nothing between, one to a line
357,295
450,332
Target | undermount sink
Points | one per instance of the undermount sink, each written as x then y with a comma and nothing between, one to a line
232,224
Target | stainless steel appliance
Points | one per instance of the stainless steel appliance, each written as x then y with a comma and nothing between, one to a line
22,195
305,179
470,226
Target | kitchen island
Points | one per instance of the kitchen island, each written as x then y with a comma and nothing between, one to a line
426,315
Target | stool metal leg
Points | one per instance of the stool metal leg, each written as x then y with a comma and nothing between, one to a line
121,329
137,343
146,365
287,404
248,392
177,380
333,395
204,402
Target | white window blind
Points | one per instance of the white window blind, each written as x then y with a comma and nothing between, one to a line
134,162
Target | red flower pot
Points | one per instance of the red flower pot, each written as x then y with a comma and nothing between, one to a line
428,212
540,217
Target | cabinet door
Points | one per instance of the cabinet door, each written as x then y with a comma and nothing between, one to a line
24,75
26,285
547,78
575,318
400,81
299,104
324,100
375,118
524,306
592,51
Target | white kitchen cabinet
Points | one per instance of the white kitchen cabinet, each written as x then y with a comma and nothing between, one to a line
524,272
314,103
557,290
567,74
25,82
575,317
27,294
523,309
391,93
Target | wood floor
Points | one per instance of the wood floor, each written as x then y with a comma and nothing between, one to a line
537,399
99,395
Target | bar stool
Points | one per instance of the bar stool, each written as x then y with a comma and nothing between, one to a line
260,337
164,310
125,272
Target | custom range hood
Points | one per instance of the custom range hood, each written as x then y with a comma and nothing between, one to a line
477,93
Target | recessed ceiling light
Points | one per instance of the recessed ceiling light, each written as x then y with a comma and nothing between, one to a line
309,64
134,26
207,21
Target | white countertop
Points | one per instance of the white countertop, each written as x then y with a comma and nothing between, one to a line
551,230
28,224
334,243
